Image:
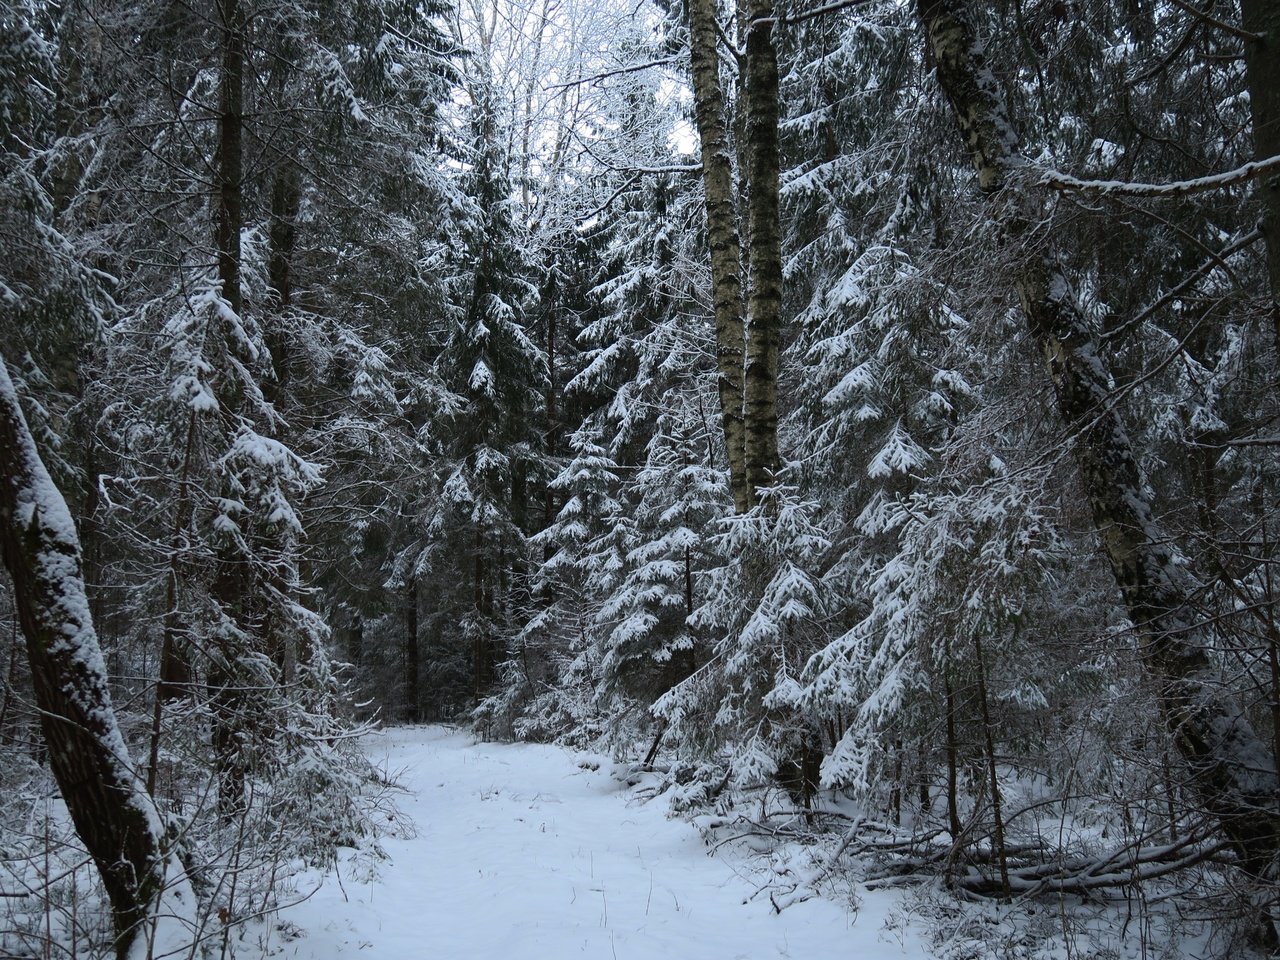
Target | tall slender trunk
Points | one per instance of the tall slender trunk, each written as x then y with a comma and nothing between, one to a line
1262,71
989,747
722,238
286,196
480,641
764,253
230,155
412,712
9,677
552,438
286,199
175,670
108,804
1230,767
953,752
232,574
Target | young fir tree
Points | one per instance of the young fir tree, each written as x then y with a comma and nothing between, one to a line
492,444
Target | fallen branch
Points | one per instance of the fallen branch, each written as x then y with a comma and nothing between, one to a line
1122,867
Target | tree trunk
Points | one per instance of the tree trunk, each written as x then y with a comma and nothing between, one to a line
108,804
286,200
722,238
412,712
989,745
1262,70
230,586
230,156
1230,767
953,753
764,253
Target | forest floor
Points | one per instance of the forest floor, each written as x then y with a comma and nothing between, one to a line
525,852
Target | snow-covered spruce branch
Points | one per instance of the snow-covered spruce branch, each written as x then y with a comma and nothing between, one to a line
1056,180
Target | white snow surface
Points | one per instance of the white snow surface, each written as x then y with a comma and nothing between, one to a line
522,854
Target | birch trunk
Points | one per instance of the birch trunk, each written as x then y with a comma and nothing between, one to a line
764,256
112,813
1229,766
722,238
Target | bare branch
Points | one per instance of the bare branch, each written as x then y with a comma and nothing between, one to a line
821,11
620,71
1248,240
627,185
1205,17
631,168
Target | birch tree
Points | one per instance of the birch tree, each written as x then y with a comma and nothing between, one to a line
764,257
1230,767
722,238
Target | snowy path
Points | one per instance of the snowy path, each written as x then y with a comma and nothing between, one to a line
521,855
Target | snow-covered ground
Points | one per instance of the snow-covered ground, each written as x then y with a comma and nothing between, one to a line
521,854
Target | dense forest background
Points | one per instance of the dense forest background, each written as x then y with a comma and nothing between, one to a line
856,400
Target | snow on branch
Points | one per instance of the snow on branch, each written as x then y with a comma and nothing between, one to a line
802,16
1069,184
637,168
616,72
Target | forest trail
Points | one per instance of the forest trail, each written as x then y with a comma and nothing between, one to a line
521,854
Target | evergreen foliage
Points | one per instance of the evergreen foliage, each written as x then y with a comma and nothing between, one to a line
392,360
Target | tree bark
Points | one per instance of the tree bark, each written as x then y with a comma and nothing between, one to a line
1262,71
722,238
108,804
286,200
230,156
764,253
1229,766
412,712
230,586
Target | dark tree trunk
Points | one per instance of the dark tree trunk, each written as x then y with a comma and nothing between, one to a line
1231,769
286,198
111,811
1262,69
175,669
230,155
226,699
989,744
953,755
412,712
230,582
764,253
